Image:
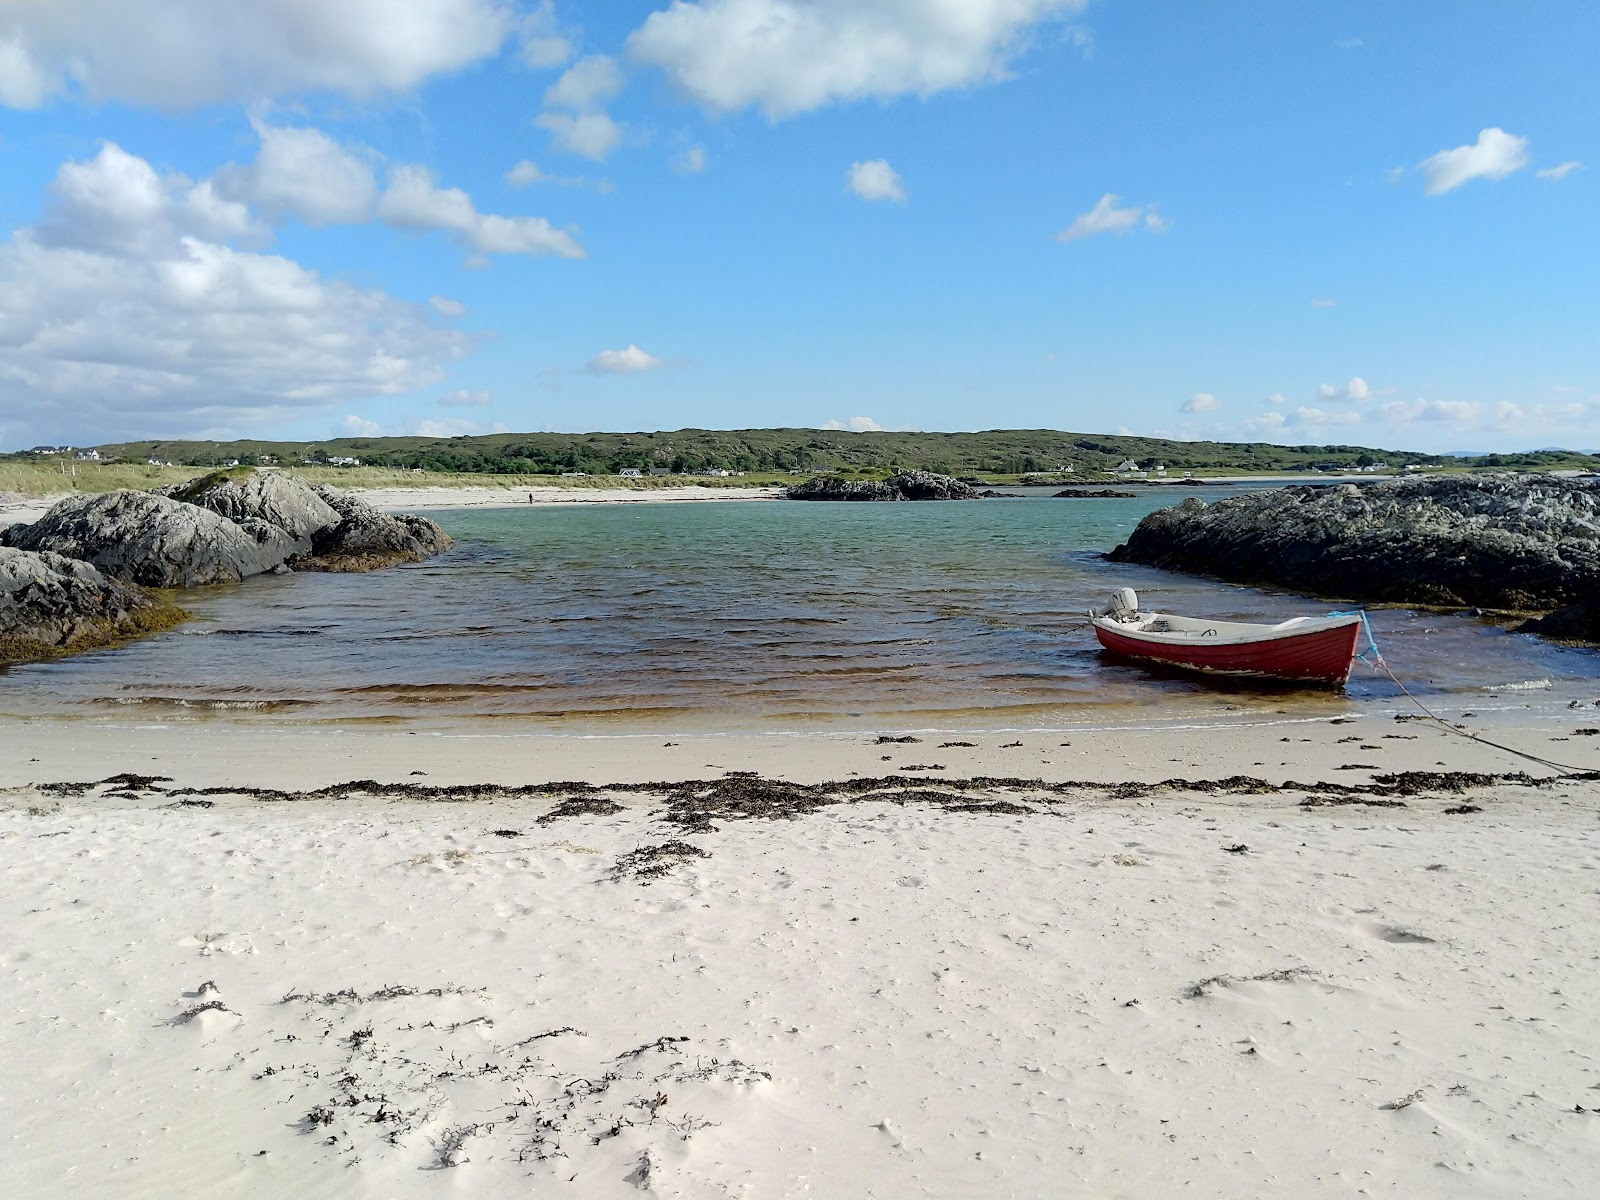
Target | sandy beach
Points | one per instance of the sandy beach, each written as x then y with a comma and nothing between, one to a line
956,970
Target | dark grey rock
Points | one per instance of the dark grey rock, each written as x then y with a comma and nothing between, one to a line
911,485
286,502
52,605
1093,494
155,541
1504,542
367,538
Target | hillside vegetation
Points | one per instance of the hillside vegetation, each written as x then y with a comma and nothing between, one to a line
694,451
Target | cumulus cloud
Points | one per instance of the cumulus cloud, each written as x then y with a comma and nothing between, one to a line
629,361
1277,398
1324,302
1404,412
447,307
1107,217
791,56
1267,423
1356,390
589,135
857,424
180,54
413,201
544,45
524,173
1558,173
1201,402
691,162
875,180
584,89
463,398
1494,155
126,312
354,426
1318,416
304,173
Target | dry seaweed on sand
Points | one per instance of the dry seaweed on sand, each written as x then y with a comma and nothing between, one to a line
648,863
1285,975
581,806
1336,801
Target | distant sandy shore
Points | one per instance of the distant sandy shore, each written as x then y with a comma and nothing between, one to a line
909,986
492,497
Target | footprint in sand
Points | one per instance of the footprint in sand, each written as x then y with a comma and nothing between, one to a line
1393,933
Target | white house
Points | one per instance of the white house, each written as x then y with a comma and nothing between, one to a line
631,472
88,456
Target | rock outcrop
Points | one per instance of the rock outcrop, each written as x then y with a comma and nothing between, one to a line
910,485
366,538
50,605
1507,542
154,541
1093,494
284,502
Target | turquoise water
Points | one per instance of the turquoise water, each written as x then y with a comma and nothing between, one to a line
748,615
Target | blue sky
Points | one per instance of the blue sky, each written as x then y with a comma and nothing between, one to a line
1353,222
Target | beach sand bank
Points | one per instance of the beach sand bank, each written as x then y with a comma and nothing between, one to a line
913,989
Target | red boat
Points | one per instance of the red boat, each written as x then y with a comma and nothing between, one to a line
1299,650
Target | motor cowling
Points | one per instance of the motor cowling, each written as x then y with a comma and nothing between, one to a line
1123,606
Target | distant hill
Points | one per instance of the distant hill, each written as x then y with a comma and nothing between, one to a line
694,451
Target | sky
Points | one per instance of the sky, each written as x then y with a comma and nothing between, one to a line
1356,222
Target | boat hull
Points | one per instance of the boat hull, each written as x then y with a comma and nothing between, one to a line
1322,656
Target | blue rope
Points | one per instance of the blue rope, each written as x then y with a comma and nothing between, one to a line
1372,656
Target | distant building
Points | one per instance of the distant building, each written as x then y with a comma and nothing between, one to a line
658,471
719,473
631,472
574,474
88,456
1127,467
342,460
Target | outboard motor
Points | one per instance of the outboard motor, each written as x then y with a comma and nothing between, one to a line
1124,606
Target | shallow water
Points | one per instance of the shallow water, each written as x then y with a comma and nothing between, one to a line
751,615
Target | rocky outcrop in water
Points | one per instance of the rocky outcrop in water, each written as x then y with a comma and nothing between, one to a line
154,541
51,605
1507,542
281,501
1093,494
910,485
366,538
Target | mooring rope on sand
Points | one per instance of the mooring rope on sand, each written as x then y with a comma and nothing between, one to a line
1373,657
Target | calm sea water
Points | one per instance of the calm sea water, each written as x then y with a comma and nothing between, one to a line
746,615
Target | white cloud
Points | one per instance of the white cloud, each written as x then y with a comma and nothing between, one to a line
116,201
450,427
1276,398
544,45
413,201
592,135
875,180
306,174
1349,43
354,426
792,56
622,362
691,162
1318,416
1557,174
1456,412
524,173
126,313
179,54
1357,389
447,307
462,398
858,424
1106,217
586,85
1267,423
1324,302
1201,402
1494,155
1394,175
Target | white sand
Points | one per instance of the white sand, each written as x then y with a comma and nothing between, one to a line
492,497
878,1000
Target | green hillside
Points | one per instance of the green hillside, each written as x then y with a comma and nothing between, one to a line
776,451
